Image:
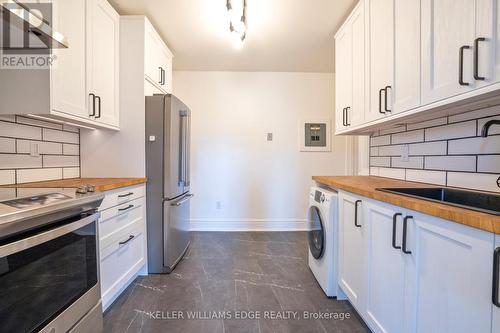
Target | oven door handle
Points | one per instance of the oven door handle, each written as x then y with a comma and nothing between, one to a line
46,236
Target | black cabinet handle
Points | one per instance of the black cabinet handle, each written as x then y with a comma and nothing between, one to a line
343,117
128,240
356,213
461,65
125,195
405,223
496,277
125,208
394,222
476,59
99,105
380,101
347,116
93,105
385,106
161,75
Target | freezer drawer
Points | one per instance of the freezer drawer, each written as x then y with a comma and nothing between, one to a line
176,229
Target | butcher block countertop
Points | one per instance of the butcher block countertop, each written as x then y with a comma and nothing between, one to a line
101,184
366,186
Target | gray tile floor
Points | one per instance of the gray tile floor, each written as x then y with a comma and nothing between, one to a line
225,275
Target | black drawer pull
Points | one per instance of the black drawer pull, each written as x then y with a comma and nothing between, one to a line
380,101
347,116
476,59
356,213
394,223
461,65
405,223
125,195
128,240
385,106
496,277
125,208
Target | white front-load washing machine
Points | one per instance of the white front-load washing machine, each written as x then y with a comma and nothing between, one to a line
322,238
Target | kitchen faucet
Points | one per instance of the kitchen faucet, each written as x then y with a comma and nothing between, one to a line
486,127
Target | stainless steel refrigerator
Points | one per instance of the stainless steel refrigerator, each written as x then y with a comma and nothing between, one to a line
168,128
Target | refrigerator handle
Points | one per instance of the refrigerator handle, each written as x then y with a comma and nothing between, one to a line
188,150
182,148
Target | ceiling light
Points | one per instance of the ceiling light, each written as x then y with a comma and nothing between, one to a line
237,21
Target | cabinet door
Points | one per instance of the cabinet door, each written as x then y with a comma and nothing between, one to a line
103,48
68,75
487,43
352,249
356,111
385,268
343,80
448,277
153,61
406,90
380,40
447,25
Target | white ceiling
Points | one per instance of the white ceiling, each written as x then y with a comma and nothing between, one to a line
283,35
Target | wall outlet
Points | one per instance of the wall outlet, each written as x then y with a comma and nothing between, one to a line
405,154
269,136
218,205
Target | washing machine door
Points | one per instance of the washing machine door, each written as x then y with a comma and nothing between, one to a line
316,233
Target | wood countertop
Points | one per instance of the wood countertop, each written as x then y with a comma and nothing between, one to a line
101,184
366,186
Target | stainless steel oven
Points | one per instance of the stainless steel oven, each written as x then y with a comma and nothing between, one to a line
49,277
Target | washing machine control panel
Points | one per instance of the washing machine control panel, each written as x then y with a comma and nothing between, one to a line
319,197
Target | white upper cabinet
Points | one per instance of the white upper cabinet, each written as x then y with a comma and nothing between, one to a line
380,14
448,277
70,62
103,62
158,60
350,71
405,94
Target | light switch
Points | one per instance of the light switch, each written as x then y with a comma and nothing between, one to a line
34,152
269,136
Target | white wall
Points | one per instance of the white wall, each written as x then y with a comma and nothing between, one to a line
259,184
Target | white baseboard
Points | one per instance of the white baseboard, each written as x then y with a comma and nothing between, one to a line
214,224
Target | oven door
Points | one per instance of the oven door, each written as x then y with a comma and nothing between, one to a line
49,278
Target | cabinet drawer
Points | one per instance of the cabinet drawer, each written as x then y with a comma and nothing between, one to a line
111,242
120,262
117,217
122,195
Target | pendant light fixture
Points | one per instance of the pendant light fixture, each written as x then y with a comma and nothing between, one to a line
237,21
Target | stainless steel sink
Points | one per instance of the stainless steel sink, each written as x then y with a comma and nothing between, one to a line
479,201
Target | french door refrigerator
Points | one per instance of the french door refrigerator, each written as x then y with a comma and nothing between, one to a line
167,170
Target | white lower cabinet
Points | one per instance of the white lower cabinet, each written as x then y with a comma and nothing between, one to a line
421,273
122,240
352,249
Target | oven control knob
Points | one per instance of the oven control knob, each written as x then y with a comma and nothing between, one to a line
81,189
90,188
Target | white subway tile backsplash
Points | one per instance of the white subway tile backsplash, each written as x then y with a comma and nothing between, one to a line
408,137
20,131
37,175
395,150
428,123
57,156
397,129
452,163
477,181
13,161
7,145
428,148
458,130
380,140
411,162
444,151
392,173
60,136
50,161
69,149
25,147
488,163
380,161
71,173
7,193
426,176
7,177
489,145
